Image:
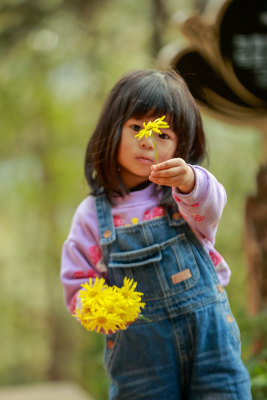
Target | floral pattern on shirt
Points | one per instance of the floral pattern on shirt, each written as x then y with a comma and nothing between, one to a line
118,221
72,305
95,254
198,217
215,257
158,212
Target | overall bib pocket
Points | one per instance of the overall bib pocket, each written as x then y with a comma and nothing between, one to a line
160,270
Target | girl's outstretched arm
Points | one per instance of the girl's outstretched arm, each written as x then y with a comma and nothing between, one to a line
200,197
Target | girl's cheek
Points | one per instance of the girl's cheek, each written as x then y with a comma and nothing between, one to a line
167,154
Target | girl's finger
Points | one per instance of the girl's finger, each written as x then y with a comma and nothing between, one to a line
170,181
168,173
173,162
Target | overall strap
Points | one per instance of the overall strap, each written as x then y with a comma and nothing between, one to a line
105,220
174,217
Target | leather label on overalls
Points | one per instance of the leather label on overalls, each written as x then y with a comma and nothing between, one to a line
181,276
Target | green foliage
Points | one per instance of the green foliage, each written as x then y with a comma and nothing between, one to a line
58,61
254,330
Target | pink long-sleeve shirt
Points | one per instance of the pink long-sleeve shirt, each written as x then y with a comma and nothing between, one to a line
202,209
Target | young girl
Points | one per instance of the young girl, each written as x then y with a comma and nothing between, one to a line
156,223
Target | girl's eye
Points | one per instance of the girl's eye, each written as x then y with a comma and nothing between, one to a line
136,128
163,136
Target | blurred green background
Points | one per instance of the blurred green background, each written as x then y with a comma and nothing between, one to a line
59,59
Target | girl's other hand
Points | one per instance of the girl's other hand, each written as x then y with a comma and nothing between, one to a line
175,173
103,332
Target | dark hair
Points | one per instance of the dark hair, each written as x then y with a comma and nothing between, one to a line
138,94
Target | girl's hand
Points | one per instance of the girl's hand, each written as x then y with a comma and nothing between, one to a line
175,173
103,332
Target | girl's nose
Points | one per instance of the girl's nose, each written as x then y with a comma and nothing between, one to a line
146,143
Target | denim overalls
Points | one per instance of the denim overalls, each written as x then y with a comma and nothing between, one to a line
190,349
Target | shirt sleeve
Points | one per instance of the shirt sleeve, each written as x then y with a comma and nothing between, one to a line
81,257
202,208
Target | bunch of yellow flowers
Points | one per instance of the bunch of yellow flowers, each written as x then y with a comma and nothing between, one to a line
108,308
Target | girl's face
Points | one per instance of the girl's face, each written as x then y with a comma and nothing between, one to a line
135,157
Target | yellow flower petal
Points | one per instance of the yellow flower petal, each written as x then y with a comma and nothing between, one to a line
152,126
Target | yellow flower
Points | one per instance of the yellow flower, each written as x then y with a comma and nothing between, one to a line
92,290
149,128
152,126
128,291
81,316
105,308
101,319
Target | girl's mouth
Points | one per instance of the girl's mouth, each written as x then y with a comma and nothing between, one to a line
144,160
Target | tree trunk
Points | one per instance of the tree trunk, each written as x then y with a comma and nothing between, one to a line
159,21
256,243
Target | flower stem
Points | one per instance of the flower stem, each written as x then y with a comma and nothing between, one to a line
154,144
142,318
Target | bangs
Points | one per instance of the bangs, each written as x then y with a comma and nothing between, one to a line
153,98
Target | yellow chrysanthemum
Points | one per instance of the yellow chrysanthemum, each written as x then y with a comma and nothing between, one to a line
101,319
92,290
152,126
128,291
82,317
149,128
105,308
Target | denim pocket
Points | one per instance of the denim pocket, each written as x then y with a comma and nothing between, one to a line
154,267
136,258
180,266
